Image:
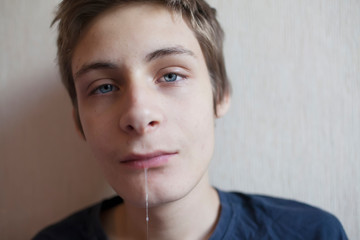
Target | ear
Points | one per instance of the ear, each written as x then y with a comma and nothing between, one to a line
77,122
223,106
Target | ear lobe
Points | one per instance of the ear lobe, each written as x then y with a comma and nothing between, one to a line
223,106
77,122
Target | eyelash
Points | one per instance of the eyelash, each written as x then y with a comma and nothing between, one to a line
98,90
163,78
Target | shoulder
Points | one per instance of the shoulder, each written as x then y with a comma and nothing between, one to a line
83,224
271,216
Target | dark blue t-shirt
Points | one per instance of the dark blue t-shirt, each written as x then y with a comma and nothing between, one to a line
260,217
242,216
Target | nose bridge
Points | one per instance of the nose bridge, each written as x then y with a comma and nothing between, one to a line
141,111
138,94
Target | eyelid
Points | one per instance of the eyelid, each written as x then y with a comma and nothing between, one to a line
98,92
95,85
179,71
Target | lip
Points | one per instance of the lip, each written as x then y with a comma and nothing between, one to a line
149,160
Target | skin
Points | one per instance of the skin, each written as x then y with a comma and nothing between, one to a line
142,88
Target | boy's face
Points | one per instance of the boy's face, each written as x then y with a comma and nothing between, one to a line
145,101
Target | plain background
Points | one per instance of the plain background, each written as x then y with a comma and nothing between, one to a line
293,129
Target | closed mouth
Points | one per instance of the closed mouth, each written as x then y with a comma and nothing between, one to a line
149,160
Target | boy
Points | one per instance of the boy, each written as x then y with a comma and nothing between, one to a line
147,80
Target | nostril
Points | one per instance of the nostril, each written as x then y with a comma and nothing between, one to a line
130,128
152,123
140,127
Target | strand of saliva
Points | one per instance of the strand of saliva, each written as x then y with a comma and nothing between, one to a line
146,203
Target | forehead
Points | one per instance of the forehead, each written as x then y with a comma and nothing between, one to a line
128,32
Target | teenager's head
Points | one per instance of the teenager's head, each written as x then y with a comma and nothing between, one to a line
74,17
143,88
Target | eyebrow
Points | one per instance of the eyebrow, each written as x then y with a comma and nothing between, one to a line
149,57
168,52
93,66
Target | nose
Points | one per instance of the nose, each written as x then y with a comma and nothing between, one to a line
142,111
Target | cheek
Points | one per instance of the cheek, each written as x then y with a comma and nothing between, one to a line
96,127
205,135
197,123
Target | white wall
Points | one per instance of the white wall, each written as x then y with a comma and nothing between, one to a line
293,129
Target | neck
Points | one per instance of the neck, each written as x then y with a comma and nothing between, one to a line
192,217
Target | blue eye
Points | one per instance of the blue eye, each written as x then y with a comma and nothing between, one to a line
104,89
170,77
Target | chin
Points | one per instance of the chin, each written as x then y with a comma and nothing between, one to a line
167,193
158,194
165,198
